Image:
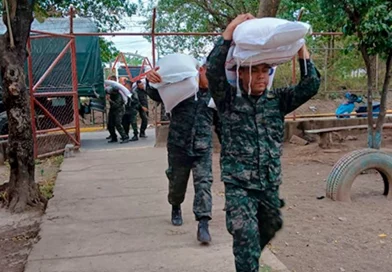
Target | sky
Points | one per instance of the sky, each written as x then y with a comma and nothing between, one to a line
133,44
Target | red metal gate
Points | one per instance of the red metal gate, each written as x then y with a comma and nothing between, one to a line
53,84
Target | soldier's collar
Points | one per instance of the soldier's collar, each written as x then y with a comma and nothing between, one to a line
270,94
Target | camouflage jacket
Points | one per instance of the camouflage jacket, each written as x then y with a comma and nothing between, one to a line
253,127
133,104
116,101
190,123
142,97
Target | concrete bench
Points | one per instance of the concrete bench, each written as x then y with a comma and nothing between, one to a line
326,133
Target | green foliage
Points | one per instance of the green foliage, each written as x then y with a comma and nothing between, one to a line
377,29
106,13
108,50
369,20
192,16
134,60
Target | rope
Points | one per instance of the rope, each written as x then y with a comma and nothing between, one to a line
12,42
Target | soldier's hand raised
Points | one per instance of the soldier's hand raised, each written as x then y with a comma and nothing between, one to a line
153,76
228,33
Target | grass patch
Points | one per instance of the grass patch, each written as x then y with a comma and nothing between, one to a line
47,171
265,268
46,188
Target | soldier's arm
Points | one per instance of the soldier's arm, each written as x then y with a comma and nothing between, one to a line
216,73
153,93
143,99
293,97
136,99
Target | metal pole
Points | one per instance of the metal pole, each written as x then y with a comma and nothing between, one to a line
177,34
154,16
32,109
71,23
326,70
75,90
294,74
377,74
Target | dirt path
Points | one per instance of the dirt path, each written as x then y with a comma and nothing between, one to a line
323,235
18,233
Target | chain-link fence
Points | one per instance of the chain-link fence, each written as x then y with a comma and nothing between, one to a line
53,86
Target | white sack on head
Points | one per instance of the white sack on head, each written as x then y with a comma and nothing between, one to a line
268,33
175,93
267,40
175,68
125,93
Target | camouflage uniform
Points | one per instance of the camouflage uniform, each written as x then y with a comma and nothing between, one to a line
189,148
252,137
143,115
116,113
130,116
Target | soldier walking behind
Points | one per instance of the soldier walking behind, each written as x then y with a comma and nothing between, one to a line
143,110
116,113
189,148
131,110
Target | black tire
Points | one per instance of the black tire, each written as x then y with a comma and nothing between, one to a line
345,171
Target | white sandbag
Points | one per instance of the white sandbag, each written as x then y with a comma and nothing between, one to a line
231,74
175,93
211,104
125,93
272,57
267,40
268,33
175,68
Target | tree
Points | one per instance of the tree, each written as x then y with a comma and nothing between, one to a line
108,50
198,16
21,190
371,22
133,59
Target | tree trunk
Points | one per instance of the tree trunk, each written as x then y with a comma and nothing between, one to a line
268,8
383,102
22,189
371,71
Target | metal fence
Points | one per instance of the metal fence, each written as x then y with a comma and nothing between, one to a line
53,88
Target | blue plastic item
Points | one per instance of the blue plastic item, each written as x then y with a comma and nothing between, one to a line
362,110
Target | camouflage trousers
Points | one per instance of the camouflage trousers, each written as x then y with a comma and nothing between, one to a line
114,122
180,166
130,118
252,218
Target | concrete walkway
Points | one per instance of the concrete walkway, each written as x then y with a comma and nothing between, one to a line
110,214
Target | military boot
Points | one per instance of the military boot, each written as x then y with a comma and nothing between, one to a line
134,138
124,140
176,216
143,135
112,141
203,234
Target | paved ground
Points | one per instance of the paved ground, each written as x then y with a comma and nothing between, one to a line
110,214
97,141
